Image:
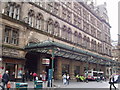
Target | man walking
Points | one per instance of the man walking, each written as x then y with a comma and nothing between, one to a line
5,79
68,78
111,82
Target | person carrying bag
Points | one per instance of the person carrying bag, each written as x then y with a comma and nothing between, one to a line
5,79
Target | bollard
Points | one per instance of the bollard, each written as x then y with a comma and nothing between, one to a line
38,84
21,86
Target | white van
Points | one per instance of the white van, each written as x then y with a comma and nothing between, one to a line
93,75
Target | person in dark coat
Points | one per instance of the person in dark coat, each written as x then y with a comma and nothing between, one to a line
23,77
111,82
5,79
27,75
31,76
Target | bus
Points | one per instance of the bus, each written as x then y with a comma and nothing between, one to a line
93,75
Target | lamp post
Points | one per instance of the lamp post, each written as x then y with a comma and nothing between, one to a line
87,69
53,56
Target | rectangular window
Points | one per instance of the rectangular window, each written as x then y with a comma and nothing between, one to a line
14,37
11,35
7,34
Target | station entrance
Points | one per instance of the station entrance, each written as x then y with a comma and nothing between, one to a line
31,62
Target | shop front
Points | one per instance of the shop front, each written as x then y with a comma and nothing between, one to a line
15,68
70,60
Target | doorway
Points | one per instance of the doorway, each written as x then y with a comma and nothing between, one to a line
31,62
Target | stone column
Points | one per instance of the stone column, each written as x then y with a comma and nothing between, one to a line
39,66
82,64
58,72
71,69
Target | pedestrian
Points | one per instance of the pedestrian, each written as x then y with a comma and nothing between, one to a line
40,76
0,76
23,77
31,76
64,79
1,80
68,78
27,75
77,77
111,82
34,76
101,78
5,79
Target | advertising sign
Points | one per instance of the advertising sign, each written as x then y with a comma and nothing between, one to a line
45,61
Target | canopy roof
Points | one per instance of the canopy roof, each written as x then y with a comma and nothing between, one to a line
67,51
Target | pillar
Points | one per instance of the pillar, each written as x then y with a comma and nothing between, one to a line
82,65
58,71
71,69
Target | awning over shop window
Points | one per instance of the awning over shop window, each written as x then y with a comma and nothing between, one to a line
67,51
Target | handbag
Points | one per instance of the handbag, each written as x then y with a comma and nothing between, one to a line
8,85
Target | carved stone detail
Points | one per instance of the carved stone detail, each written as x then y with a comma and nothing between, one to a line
11,52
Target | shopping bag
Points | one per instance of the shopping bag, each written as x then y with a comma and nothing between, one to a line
8,85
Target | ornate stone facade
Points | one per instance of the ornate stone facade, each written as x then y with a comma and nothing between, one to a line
71,23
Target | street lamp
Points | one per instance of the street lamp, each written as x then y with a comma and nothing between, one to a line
53,56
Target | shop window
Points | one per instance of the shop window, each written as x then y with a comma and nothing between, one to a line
77,70
65,69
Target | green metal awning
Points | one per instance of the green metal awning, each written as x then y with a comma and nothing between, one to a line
69,52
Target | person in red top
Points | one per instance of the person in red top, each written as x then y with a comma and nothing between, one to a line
34,76
0,76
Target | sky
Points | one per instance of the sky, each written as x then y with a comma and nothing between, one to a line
112,8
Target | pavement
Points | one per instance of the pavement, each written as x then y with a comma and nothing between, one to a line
91,85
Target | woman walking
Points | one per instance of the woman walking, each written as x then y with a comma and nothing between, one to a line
68,78
64,79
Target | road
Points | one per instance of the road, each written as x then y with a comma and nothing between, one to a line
91,85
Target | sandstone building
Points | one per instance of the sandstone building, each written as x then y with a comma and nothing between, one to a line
76,33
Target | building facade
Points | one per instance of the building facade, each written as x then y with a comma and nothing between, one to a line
74,24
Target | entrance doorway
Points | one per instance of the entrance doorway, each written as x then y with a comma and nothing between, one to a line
11,70
31,62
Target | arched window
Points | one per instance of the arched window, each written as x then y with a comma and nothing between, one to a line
50,28
39,21
85,41
13,10
98,47
75,37
64,32
92,44
69,34
56,29
80,38
31,17
95,45
88,42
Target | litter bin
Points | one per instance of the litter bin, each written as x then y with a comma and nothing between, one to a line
38,84
21,86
